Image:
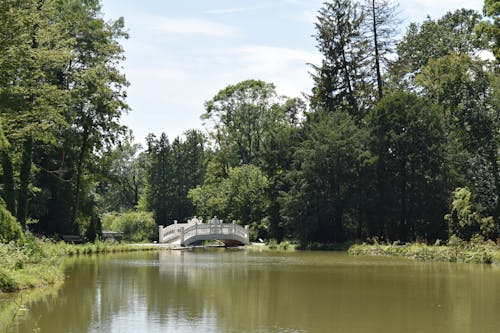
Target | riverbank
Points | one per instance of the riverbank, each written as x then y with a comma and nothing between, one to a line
476,251
36,263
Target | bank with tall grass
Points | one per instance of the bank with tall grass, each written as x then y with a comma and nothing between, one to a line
32,262
455,250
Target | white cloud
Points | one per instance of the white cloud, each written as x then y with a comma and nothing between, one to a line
272,60
285,67
234,10
192,26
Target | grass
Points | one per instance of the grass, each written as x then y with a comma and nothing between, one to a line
456,250
273,245
36,263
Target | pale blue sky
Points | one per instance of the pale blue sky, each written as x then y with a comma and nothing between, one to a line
181,53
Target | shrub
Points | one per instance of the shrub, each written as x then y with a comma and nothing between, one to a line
466,216
135,226
10,229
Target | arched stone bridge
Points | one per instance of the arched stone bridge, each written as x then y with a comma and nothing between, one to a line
194,231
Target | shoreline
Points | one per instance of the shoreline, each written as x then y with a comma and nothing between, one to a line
474,253
39,263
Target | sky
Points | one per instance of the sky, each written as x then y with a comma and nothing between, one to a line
181,53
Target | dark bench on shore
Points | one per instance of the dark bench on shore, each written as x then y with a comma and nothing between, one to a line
73,239
112,235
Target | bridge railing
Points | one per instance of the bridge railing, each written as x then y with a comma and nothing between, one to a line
171,232
186,232
215,229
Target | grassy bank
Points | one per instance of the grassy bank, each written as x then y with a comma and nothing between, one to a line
35,263
476,251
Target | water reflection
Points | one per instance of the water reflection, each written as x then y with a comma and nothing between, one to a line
239,291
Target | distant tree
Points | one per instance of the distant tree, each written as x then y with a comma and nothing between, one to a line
125,177
241,117
174,168
241,197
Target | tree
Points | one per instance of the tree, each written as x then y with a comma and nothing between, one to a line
341,81
491,30
32,49
173,170
125,171
381,26
465,88
454,33
277,160
240,197
243,115
97,94
327,183
465,218
408,139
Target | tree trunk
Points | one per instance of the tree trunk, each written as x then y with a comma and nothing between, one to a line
79,171
494,166
377,54
24,177
403,226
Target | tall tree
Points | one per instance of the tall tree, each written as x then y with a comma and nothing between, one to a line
408,140
174,169
242,116
341,81
455,33
465,87
381,22
326,192
97,96
33,48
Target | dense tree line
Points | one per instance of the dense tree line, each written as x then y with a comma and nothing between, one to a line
398,139
61,97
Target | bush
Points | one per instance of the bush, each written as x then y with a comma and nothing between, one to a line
10,229
135,226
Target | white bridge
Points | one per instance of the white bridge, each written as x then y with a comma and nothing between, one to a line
195,231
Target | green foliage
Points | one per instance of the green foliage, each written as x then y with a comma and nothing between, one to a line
174,168
61,95
243,117
465,218
433,39
407,137
125,177
10,229
341,79
490,30
355,166
241,197
328,186
36,262
457,250
135,226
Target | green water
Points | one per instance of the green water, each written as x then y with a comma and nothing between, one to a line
243,291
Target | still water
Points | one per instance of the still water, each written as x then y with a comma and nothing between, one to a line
247,291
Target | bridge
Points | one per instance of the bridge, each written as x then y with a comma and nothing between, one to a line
195,231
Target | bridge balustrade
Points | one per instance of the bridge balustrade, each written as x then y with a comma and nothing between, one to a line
188,233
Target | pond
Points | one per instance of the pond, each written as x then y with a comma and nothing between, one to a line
225,290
